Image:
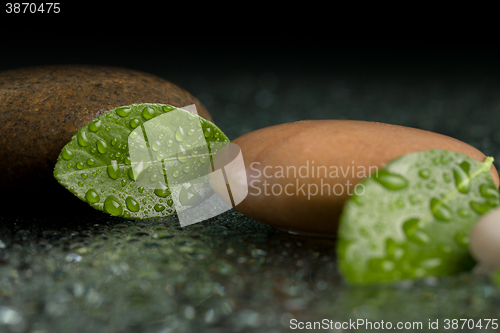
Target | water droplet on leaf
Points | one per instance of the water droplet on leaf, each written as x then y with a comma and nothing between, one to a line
113,206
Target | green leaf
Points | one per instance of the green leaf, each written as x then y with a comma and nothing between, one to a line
119,163
413,217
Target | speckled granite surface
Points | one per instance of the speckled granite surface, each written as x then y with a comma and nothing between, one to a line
231,274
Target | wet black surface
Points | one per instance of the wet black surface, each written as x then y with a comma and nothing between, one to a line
97,273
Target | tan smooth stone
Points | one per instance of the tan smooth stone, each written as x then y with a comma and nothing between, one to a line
346,144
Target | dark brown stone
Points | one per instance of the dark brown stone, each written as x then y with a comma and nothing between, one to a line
43,107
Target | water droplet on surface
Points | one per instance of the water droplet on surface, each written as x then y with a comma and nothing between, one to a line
113,206
162,191
123,111
156,145
462,179
204,158
425,173
113,170
82,139
79,165
67,154
189,196
148,113
95,125
159,207
134,123
440,210
91,196
90,161
170,202
84,175
464,212
462,239
207,132
167,108
412,232
391,181
479,207
102,146
132,204
488,191
179,134
431,263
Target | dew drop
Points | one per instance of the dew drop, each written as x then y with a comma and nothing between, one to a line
414,199
424,173
462,239
488,191
91,196
90,161
148,113
462,179
82,139
113,206
159,208
412,232
186,168
170,202
182,156
123,111
207,132
170,143
203,158
162,191
156,145
446,178
113,170
479,208
102,146
114,141
167,108
464,212
84,175
67,154
95,125
391,181
179,134
79,165
189,196
440,210
134,123
132,204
